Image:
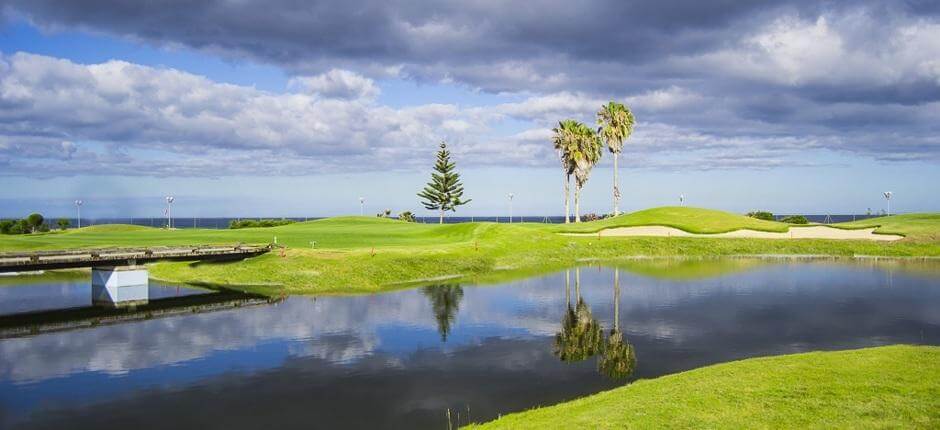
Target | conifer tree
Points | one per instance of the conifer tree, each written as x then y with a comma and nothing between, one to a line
444,191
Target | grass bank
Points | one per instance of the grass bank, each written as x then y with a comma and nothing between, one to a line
362,254
884,387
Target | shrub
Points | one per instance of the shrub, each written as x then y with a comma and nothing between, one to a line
764,215
34,220
407,216
251,223
63,223
592,217
795,219
6,226
385,214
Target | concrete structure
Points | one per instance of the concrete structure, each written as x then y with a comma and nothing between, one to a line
119,286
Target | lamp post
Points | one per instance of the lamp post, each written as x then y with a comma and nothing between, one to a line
169,217
888,195
362,202
78,207
511,195
681,200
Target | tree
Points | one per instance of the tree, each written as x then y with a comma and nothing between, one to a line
587,154
34,220
445,191
580,336
615,124
6,226
445,302
565,142
63,223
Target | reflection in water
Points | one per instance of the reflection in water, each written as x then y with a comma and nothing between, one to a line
445,302
619,358
580,335
379,361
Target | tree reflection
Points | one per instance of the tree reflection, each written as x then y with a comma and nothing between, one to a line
581,335
445,302
618,360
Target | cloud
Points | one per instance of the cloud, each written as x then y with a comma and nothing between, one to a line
341,84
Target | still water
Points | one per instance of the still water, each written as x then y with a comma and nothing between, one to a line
403,359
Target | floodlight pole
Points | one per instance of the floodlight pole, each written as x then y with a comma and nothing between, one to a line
511,195
78,206
362,202
169,216
681,200
888,195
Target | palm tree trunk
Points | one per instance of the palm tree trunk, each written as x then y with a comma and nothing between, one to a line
567,198
577,283
577,202
616,186
616,300
441,220
568,287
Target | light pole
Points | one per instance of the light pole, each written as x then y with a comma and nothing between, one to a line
888,195
681,200
78,206
362,202
511,195
169,217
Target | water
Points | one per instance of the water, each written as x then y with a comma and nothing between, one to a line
402,359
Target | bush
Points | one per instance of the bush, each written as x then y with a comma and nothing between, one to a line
63,223
387,213
795,219
251,223
592,217
764,215
5,226
407,216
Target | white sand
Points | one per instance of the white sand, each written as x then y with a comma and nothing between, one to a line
813,232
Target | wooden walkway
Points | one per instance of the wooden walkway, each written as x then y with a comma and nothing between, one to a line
104,257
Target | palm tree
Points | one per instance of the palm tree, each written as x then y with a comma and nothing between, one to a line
587,154
615,124
565,143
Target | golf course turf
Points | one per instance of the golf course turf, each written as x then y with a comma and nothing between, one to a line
362,254
883,387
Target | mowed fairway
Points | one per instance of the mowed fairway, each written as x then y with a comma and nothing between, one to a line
363,254
885,387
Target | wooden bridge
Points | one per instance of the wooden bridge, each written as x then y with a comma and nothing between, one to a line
110,257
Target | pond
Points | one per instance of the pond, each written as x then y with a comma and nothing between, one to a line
411,358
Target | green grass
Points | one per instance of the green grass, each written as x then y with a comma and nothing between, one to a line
365,254
692,220
885,387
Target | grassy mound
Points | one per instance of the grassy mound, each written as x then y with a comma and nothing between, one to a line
110,228
692,220
885,387
917,226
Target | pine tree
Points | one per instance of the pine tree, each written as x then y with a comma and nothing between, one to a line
444,192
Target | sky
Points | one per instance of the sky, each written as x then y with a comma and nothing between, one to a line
286,108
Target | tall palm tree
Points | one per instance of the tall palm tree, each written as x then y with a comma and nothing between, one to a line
565,142
615,124
587,154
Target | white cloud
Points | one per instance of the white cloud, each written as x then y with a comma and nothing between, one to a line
335,83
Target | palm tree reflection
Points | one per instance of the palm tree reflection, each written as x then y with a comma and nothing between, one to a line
445,301
618,360
580,337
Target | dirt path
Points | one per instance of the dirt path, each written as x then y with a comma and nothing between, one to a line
813,232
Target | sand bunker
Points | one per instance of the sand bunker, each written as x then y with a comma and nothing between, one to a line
814,232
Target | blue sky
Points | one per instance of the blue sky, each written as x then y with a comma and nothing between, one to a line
789,106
